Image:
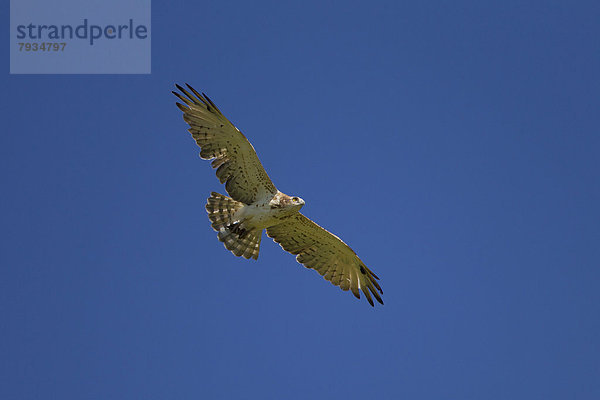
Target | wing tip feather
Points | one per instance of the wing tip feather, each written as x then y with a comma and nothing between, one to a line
368,296
182,107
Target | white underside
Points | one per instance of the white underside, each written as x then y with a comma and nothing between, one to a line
256,216
261,216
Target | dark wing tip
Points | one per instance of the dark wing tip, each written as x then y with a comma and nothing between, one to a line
378,298
182,107
211,102
193,90
192,99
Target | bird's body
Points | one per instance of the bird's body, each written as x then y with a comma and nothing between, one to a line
256,204
263,214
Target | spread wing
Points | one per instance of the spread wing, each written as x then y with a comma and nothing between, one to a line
324,252
234,157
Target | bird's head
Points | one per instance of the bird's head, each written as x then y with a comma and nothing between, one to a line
297,202
286,205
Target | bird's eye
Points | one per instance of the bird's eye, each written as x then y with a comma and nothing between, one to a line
295,198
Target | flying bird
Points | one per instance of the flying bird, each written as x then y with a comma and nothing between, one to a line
256,204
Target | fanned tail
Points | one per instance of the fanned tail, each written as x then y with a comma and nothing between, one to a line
241,242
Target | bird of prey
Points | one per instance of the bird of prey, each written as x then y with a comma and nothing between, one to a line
256,204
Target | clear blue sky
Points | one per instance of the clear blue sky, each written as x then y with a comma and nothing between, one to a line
454,145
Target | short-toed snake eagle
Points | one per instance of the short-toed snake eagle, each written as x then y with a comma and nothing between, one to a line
256,204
